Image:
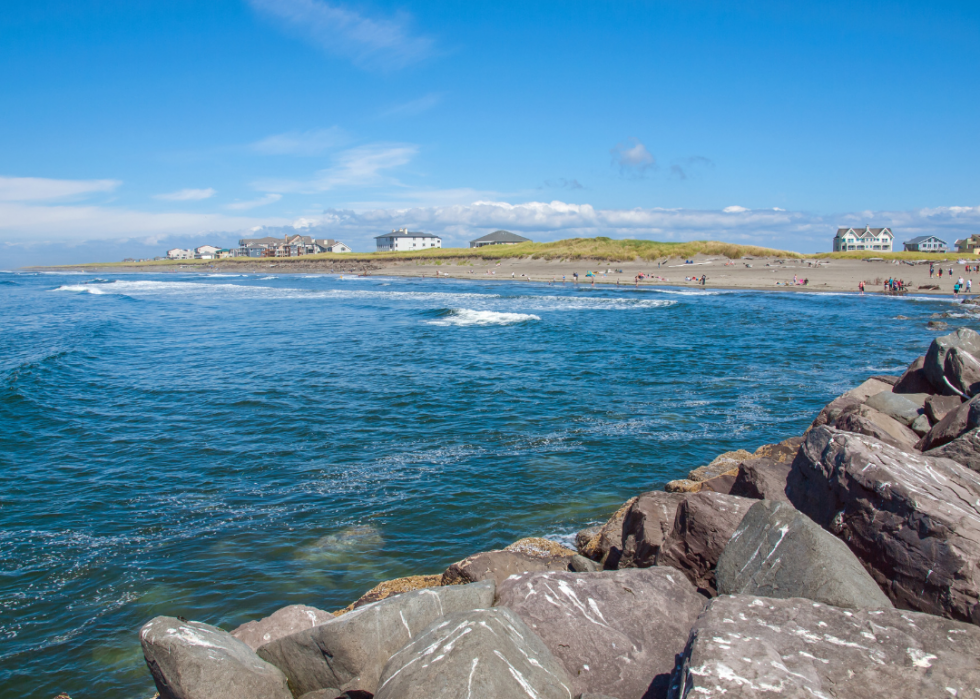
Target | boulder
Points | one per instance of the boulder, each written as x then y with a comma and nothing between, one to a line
581,564
683,485
717,484
914,379
540,547
616,631
702,526
191,660
283,622
964,339
863,419
913,520
904,408
607,546
390,588
955,423
645,526
938,407
962,370
329,693
722,464
480,653
350,651
921,425
745,647
500,565
964,450
586,535
762,478
784,451
777,551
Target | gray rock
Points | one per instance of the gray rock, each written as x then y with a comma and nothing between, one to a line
282,622
645,526
938,325
935,362
863,419
746,647
191,660
938,407
350,651
962,371
777,551
921,425
964,450
914,379
607,546
616,631
702,527
902,407
913,520
586,535
480,653
855,396
500,565
581,564
329,693
762,479
955,423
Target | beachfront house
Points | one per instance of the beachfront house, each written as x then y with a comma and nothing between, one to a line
925,243
180,254
336,246
971,244
288,246
206,252
403,239
499,238
848,239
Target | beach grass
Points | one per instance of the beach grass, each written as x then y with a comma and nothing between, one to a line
902,255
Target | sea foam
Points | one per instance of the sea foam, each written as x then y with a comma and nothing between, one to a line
466,317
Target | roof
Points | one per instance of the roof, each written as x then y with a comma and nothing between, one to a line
259,241
923,238
861,232
405,234
501,237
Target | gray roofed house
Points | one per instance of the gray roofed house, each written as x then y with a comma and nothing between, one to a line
404,239
869,238
499,238
925,243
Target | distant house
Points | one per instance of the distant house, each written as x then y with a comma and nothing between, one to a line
288,246
499,238
180,254
878,239
925,243
335,246
403,239
971,244
206,252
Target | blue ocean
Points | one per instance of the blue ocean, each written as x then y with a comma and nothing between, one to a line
217,447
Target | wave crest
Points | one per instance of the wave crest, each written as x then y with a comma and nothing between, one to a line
466,317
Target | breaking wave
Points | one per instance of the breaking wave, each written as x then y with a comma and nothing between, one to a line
466,317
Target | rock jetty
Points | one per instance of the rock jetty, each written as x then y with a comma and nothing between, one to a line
844,562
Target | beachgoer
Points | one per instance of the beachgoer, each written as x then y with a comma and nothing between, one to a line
969,285
861,287
940,272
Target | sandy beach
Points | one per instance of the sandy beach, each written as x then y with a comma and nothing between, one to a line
780,274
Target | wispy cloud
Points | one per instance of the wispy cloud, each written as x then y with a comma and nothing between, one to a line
303,143
42,189
380,43
187,195
414,107
562,183
685,167
361,166
632,158
271,198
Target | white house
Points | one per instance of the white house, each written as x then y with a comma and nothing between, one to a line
499,238
402,239
848,239
925,243
180,254
206,252
335,246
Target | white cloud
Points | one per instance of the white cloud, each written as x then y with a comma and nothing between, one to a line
41,189
736,209
302,143
632,157
361,166
414,107
187,195
262,201
381,43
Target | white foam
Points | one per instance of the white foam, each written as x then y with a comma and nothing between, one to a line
465,317
80,289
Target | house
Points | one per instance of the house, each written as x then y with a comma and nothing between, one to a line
335,246
403,239
288,246
925,243
971,244
848,239
499,238
258,247
180,254
206,252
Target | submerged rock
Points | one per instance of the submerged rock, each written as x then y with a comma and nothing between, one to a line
777,551
282,622
350,651
617,632
480,653
913,520
191,660
702,527
745,647
645,527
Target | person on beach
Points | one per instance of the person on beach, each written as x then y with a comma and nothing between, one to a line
931,270
704,280
940,272
956,290
969,285
861,287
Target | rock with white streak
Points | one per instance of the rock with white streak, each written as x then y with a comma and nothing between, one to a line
476,654
191,660
616,632
777,551
282,622
913,520
965,340
350,651
746,647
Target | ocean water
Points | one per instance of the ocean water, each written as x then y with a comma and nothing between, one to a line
217,447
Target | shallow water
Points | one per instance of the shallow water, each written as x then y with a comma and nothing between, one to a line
220,446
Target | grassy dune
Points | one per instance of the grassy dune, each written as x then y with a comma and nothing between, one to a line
605,249
866,254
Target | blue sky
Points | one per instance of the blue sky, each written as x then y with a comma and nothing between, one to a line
133,126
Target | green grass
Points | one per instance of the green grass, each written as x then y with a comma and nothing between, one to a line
866,254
